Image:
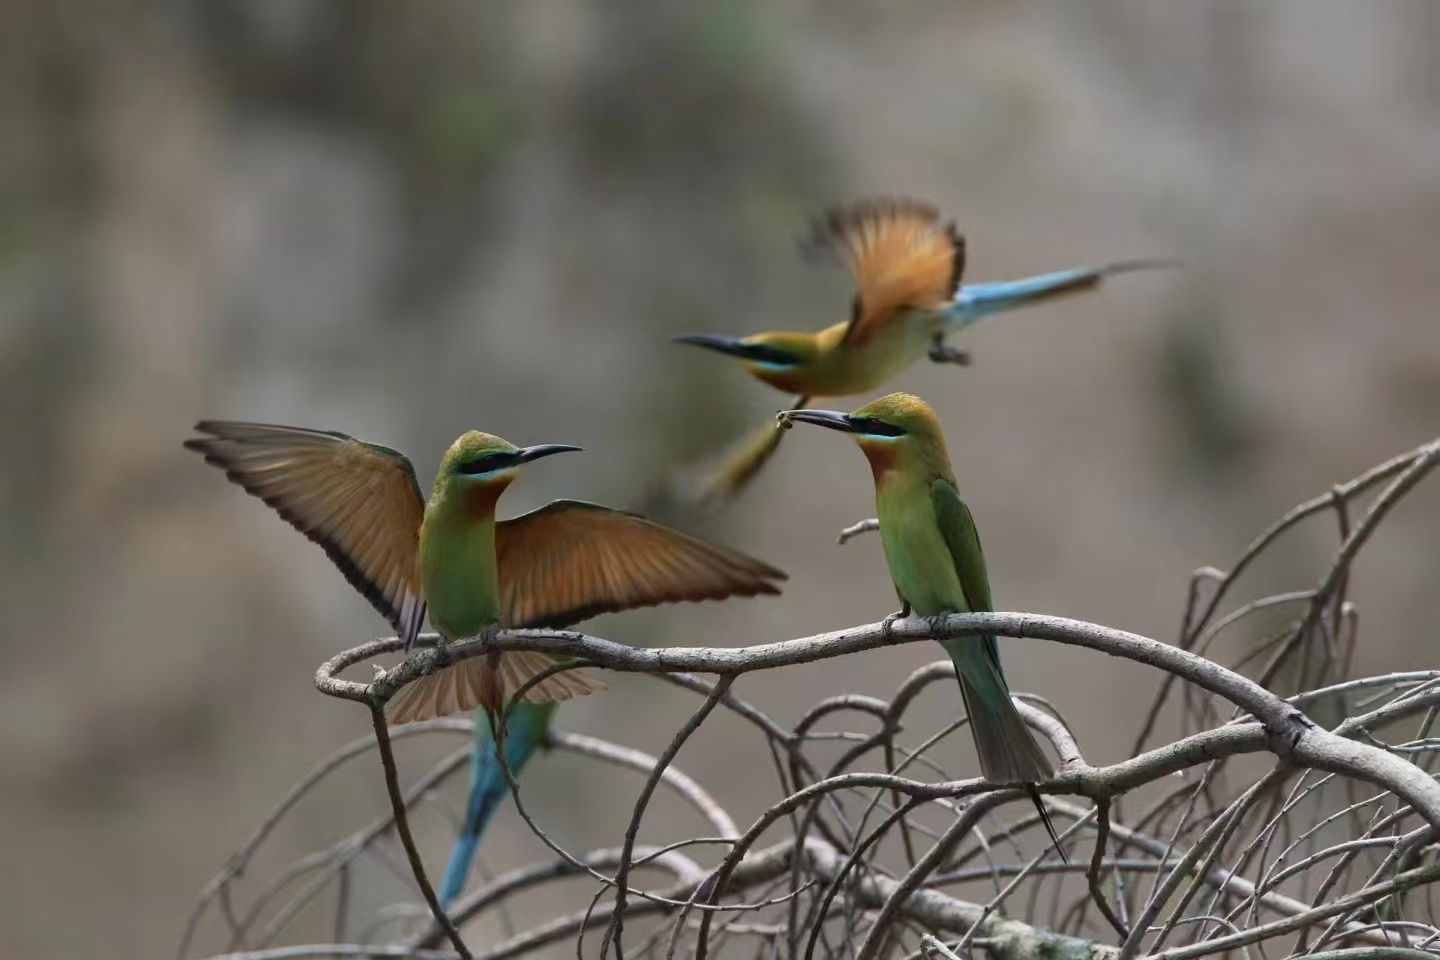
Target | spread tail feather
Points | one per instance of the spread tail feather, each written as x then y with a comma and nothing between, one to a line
489,681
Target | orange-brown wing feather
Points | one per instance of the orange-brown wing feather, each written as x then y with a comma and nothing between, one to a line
572,560
900,254
359,501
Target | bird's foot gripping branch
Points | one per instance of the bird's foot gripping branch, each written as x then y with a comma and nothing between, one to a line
1297,821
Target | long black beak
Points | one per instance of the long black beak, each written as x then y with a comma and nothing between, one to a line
833,419
713,341
526,454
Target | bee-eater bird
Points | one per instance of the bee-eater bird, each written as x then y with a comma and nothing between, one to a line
906,264
552,567
555,566
933,551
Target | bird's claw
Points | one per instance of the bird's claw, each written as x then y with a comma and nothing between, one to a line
888,624
940,352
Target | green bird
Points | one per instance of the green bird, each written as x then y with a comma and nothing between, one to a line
553,567
933,551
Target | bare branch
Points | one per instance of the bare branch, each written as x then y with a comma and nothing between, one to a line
1328,848
1290,734
679,781
613,934
402,827
1097,862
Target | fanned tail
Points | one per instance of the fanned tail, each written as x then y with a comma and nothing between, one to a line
524,731
489,681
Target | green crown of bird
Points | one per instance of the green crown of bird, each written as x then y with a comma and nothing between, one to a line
933,551
906,263
553,567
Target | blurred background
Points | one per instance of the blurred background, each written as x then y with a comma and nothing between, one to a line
403,221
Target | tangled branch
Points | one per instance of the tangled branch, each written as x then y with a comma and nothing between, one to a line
1187,849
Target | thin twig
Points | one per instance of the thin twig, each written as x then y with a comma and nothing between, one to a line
674,778
617,918
402,827
1102,837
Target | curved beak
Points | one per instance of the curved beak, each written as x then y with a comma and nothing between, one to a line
713,341
833,419
526,454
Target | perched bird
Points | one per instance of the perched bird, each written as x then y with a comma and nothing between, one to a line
563,563
907,264
933,551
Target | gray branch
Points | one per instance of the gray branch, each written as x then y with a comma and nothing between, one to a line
1288,732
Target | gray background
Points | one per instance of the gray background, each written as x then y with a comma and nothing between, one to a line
407,220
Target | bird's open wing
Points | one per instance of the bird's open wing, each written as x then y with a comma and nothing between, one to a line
359,501
900,255
572,560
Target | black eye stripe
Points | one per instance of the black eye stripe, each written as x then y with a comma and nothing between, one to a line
878,427
484,463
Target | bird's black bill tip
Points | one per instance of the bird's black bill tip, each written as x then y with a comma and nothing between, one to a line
747,348
712,341
833,419
527,454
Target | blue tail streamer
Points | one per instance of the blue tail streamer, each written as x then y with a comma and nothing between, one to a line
523,733
976,300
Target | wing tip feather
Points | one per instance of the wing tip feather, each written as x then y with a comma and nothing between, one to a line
224,448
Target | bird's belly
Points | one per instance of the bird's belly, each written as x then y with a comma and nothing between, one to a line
887,352
921,566
456,621
461,588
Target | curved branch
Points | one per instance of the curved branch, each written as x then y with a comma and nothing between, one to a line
1218,837
239,861
1194,624
1290,734
402,827
685,871
673,777
1330,908
617,921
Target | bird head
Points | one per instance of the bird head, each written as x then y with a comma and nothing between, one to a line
895,431
484,460
774,358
